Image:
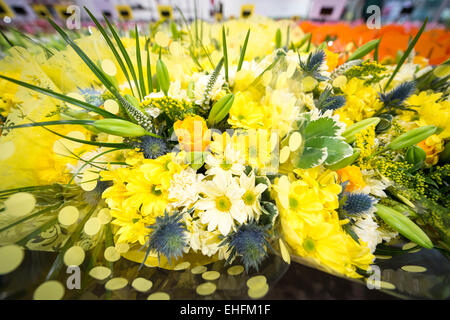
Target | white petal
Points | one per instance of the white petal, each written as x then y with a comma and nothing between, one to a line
260,188
225,224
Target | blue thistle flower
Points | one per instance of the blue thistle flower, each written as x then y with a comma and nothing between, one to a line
358,203
168,237
152,147
329,102
248,241
313,63
92,96
398,95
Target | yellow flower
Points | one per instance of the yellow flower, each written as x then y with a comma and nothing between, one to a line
161,169
139,194
311,225
430,111
361,101
246,113
254,146
354,177
192,133
332,60
146,194
432,146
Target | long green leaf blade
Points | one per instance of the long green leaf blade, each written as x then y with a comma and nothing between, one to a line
111,46
63,97
49,123
149,69
225,53
244,48
92,143
124,54
139,62
84,57
407,52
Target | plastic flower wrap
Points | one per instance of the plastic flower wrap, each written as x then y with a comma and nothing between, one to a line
178,164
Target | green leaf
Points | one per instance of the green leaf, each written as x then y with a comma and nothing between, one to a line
124,54
336,148
346,161
270,213
407,52
322,127
93,143
139,63
149,69
62,97
87,162
49,123
225,53
310,158
244,48
111,46
85,58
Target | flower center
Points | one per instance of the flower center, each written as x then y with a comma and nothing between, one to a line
293,203
249,198
223,203
309,245
166,165
155,191
226,166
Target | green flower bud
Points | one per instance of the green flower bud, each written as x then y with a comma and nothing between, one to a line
412,137
220,109
162,74
404,226
364,50
119,127
415,155
350,133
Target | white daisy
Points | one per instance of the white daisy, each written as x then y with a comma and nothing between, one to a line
252,195
222,205
230,162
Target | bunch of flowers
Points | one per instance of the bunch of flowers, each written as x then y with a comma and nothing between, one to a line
174,147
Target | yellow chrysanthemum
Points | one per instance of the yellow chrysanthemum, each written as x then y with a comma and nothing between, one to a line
361,101
246,113
139,194
430,111
311,225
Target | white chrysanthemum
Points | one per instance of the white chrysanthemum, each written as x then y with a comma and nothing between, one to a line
367,230
200,239
252,195
375,185
230,162
222,205
184,188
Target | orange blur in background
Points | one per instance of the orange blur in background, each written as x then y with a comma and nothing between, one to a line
434,44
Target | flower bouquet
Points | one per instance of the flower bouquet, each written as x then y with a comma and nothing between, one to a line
197,160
